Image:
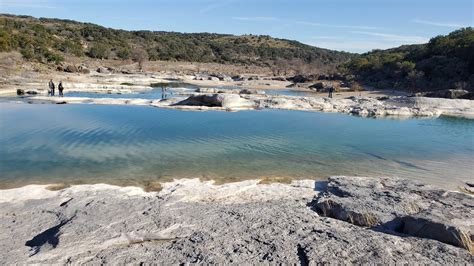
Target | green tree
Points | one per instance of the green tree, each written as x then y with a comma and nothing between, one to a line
99,50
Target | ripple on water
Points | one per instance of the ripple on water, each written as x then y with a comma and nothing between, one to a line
81,143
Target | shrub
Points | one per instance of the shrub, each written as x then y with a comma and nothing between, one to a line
356,87
124,53
53,57
100,51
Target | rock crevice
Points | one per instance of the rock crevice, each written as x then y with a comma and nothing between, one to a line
400,206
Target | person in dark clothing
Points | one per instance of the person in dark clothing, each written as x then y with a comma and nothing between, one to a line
60,89
51,87
331,90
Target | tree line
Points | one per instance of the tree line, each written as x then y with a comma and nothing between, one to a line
50,40
445,62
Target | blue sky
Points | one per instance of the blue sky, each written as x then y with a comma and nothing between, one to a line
349,25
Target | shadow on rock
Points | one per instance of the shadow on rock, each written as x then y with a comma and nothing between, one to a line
399,207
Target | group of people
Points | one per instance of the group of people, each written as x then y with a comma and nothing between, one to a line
52,88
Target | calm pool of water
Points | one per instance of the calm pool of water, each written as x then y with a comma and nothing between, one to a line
123,144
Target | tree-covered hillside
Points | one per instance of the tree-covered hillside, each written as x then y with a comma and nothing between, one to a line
446,62
50,40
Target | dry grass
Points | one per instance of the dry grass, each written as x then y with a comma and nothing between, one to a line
152,186
275,179
466,241
57,187
464,190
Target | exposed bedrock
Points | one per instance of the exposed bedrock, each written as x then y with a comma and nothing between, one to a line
400,206
398,107
227,101
191,221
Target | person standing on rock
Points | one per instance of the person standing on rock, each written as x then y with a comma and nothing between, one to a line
51,87
60,89
331,90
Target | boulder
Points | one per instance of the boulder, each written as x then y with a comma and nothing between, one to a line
31,92
213,78
210,90
201,100
223,77
323,77
317,86
228,101
467,96
227,79
83,69
20,92
302,78
401,207
322,86
298,79
71,69
238,78
103,70
233,101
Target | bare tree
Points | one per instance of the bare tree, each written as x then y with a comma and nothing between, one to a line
299,67
280,67
140,56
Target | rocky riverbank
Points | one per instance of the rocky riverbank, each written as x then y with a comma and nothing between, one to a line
249,92
398,106
343,220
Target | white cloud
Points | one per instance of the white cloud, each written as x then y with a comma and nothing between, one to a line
407,39
440,24
314,24
215,5
255,18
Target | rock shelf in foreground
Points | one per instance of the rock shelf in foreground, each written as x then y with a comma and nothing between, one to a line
401,206
192,221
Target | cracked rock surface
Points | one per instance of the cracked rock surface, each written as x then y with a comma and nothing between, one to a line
191,221
400,205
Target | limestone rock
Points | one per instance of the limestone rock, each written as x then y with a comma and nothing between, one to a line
71,69
227,101
83,69
233,101
190,221
401,206
103,70
238,78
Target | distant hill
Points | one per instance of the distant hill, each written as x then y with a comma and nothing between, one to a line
446,62
50,40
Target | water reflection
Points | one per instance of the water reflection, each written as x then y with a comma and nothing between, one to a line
88,143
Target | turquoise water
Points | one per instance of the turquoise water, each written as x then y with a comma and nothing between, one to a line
120,144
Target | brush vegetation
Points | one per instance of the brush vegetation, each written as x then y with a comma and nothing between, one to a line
445,62
51,40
